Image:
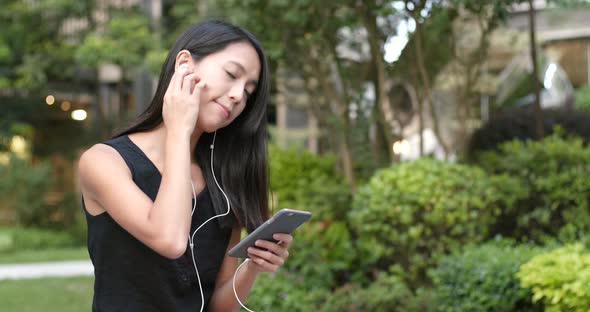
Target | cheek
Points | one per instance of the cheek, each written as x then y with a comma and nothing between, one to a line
207,75
238,111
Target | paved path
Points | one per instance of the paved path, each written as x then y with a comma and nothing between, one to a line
46,269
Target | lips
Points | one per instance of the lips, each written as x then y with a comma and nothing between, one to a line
224,109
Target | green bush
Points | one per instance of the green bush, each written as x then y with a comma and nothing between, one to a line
413,212
519,124
72,218
386,292
307,181
560,278
554,173
22,189
18,239
301,180
285,291
483,278
288,291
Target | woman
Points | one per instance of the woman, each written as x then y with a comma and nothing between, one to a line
204,133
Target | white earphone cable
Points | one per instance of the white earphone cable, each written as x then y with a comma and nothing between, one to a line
191,237
234,286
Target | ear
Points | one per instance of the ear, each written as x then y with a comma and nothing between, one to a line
184,57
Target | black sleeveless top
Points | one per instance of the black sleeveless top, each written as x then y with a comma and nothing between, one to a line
129,276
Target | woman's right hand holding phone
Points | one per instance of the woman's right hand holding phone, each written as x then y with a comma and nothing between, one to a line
181,101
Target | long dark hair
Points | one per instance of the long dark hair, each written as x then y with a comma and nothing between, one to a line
241,147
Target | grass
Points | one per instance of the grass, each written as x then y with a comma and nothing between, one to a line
47,294
54,254
20,245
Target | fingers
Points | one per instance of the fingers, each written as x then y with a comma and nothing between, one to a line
189,82
182,99
176,80
273,248
265,256
200,85
271,256
264,265
267,260
284,239
183,80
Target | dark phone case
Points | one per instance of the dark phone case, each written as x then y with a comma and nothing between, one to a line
284,221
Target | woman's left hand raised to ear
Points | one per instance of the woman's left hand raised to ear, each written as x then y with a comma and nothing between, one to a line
269,256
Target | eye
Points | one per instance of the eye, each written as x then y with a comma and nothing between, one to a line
232,76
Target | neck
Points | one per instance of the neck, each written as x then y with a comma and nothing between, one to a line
160,136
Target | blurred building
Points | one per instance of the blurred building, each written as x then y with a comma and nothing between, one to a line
563,38
564,34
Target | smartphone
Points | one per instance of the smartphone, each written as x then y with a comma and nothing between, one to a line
284,221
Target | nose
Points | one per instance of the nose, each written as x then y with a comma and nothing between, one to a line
236,93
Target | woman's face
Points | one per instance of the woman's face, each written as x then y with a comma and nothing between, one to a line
230,75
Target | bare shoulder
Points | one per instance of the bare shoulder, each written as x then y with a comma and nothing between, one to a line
102,156
101,162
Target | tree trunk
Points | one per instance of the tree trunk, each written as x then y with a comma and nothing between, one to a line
418,99
426,85
338,105
370,23
535,78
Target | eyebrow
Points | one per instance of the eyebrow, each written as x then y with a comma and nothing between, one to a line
254,82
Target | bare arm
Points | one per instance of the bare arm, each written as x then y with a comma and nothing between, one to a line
162,225
223,298
106,182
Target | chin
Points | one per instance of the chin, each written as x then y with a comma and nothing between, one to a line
212,127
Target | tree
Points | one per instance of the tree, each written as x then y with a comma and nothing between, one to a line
305,38
426,54
35,49
482,17
124,40
432,51
371,12
36,56
338,47
535,72
496,12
